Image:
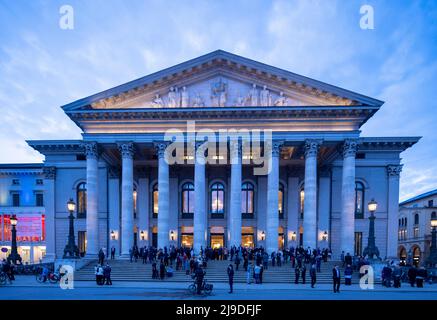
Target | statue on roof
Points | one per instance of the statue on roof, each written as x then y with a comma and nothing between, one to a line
218,93
265,97
252,97
157,101
173,98
184,97
281,100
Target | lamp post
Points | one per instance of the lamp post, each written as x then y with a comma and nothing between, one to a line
432,259
371,250
14,256
71,251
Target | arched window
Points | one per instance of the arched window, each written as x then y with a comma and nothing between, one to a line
359,200
217,200
416,219
301,201
81,200
433,215
281,201
247,196
155,195
134,197
187,200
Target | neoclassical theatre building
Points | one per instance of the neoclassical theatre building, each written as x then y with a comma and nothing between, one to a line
321,172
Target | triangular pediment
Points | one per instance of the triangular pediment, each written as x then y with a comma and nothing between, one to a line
221,79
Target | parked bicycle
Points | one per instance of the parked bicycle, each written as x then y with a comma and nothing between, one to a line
52,277
3,278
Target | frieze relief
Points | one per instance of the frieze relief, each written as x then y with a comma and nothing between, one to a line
217,92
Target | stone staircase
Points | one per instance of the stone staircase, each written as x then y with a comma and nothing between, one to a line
123,270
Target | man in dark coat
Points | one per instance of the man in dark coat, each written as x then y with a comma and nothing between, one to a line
412,273
162,270
297,274
336,278
101,257
313,275
107,274
304,273
230,277
199,274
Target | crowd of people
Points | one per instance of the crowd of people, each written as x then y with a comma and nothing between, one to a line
8,268
254,261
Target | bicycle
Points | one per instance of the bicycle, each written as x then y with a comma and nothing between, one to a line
52,277
3,278
206,287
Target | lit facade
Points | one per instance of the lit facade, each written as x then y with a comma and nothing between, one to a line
414,227
321,175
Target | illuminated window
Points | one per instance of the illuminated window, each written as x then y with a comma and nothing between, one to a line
81,200
301,201
217,200
281,201
135,196
187,200
359,200
155,195
247,196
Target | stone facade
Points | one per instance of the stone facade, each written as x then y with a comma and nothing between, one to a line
305,132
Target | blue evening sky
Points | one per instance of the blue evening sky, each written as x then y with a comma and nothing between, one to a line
43,66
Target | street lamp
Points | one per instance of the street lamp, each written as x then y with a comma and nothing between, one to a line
371,250
71,251
432,259
14,256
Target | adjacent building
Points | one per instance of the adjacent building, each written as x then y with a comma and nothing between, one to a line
414,235
321,172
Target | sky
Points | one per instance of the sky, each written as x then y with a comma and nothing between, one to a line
44,66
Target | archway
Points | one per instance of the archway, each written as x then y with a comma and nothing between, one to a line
417,254
402,254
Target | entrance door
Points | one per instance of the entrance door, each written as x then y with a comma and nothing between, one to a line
81,242
187,240
155,239
135,239
217,240
247,240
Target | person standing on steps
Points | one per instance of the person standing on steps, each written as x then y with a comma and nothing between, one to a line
313,275
304,272
296,275
112,253
107,274
230,272
336,279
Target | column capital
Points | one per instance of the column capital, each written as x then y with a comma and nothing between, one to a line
312,147
161,147
394,170
126,149
350,147
235,149
91,149
276,148
49,173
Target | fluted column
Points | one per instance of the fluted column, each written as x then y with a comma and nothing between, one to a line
272,223
199,219
164,195
393,172
348,197
92,210
127,201
235,194
310,199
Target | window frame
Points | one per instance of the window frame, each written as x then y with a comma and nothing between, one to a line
187,187
217,187
245,188
359,187
81,209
